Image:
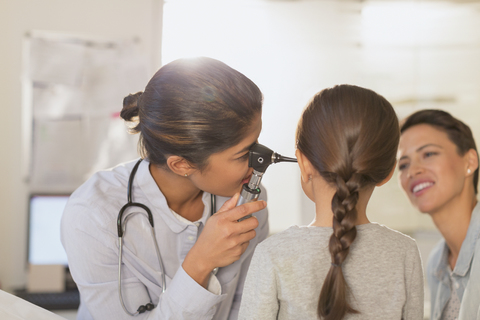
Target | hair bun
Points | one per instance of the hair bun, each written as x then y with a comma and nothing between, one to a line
130,106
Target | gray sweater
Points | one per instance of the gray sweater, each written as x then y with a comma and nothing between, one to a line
383,271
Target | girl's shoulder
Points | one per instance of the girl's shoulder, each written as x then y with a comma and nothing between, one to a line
303,238
384,236
293,238
295,232
382,229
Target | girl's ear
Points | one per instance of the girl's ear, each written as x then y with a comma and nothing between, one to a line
179,165
389,176
306,168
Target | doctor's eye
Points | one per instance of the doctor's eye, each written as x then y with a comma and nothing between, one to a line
245,156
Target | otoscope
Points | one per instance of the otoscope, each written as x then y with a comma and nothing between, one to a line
260,157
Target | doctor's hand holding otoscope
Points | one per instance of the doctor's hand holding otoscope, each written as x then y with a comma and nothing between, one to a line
232,218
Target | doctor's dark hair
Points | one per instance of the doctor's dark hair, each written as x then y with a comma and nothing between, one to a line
350,135
192,108
457,131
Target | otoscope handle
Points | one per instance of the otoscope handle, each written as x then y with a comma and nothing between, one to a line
260,157
247,195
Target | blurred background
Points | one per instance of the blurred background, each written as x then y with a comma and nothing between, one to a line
66,66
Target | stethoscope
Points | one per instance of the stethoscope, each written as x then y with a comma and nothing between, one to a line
121,231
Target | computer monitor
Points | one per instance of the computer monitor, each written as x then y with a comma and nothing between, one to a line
44,245
44,250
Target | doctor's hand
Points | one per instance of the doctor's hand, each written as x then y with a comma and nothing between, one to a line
223,240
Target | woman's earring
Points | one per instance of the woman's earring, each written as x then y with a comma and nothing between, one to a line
469,171
309,178
186,174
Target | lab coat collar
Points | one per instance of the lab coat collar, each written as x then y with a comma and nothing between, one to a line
144,181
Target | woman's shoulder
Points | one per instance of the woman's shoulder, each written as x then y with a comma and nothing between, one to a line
104,190
105,182
114,176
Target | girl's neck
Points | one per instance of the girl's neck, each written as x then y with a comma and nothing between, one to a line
323,195
181,194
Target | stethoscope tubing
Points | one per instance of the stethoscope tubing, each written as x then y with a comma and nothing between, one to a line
121,229
121,232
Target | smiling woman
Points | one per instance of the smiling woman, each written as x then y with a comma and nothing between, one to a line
430,161
438,170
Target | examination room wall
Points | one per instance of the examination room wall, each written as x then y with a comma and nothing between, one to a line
418,54
104,19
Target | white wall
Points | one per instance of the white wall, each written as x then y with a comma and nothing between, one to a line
111,19
418,54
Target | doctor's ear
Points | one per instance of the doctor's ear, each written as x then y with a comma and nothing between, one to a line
179,165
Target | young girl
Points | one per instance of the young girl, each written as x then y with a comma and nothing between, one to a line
438,170
347,141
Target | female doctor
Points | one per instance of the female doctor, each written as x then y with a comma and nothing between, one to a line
197,120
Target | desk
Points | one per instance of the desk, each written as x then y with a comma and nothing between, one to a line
67,314
15,308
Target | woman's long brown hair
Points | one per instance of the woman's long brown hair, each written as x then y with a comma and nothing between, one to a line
192,108
350,135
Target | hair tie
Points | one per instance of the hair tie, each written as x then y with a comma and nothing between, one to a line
335,265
